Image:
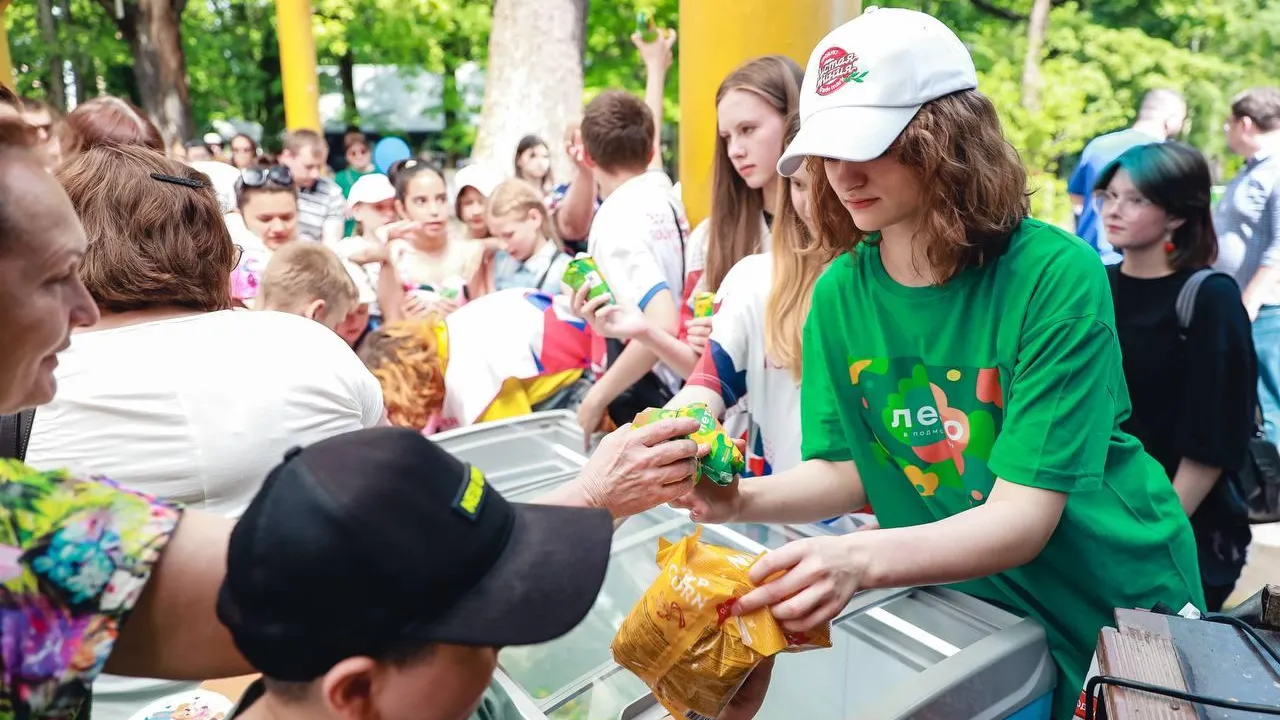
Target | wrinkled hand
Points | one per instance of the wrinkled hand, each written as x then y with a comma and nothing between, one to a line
747,701
818,577
712,503
657,54
698,333
636,469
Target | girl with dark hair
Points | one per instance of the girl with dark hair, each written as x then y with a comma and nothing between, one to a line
1193,388
419,248
533,163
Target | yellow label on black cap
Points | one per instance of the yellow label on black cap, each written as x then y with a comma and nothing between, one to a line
471,494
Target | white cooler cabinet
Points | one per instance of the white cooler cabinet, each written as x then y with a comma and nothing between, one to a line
927,652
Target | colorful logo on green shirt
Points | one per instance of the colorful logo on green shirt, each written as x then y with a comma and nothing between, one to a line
937,425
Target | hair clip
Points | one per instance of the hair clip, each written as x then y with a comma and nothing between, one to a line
188,182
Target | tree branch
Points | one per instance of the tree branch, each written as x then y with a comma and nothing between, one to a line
991,8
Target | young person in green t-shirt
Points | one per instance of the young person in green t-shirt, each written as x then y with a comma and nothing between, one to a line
961,371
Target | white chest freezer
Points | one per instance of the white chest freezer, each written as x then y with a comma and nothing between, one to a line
929,652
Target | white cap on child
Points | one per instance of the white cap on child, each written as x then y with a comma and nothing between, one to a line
868,78
479,177
373,189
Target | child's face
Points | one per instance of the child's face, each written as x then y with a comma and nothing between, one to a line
426,202
372,216
272,216
752,132
535,163
800,182
878,194
359,157
521,231
471,206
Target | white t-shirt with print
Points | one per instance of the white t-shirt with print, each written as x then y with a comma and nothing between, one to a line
637,241
736,366
198,410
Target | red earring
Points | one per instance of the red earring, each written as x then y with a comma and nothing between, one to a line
1169,248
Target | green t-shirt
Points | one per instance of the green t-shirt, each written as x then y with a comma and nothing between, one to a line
1011,370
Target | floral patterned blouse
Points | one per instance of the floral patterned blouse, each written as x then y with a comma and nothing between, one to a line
75,555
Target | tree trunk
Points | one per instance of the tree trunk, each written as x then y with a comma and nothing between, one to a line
49,34
533,84
1036,27
81,66
347,75
151,27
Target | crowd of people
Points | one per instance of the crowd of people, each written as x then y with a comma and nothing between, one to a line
891,333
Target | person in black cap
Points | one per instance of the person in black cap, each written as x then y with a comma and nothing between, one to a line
375,575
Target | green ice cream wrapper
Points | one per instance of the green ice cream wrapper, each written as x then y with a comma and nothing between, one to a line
724,462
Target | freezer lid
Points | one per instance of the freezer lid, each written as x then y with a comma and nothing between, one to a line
521,452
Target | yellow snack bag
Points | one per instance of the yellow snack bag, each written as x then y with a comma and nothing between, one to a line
682,638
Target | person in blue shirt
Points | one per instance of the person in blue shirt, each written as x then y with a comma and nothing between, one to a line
1160,117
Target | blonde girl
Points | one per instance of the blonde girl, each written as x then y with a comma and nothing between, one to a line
754,347
532,257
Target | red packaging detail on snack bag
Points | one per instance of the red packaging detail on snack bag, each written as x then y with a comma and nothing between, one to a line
834,70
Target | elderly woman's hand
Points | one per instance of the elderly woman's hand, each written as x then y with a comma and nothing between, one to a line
635,469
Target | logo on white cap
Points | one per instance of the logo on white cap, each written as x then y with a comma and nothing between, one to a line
836,68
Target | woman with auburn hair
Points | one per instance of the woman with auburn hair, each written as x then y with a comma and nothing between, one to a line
158,394
1193,377
108,120
961,371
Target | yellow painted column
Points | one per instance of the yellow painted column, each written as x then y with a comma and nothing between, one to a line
6,61
298,65
716,36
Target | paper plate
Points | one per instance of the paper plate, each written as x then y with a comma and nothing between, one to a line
191,705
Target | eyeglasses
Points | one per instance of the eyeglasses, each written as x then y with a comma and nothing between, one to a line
239,255
257,177
1102,199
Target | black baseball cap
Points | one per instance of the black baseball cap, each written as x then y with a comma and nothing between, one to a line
380,538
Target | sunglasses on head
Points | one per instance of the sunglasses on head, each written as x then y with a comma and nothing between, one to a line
257,177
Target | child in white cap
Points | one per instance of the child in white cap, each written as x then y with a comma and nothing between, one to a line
961,371
372,204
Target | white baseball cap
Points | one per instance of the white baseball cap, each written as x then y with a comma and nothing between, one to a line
868,78
479,177
372,189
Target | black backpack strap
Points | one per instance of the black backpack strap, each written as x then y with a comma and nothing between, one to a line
1185,305
15,433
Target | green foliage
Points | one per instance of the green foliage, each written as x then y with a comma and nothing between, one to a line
1099,57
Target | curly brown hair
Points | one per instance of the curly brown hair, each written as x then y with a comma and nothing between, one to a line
405,357
975,187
